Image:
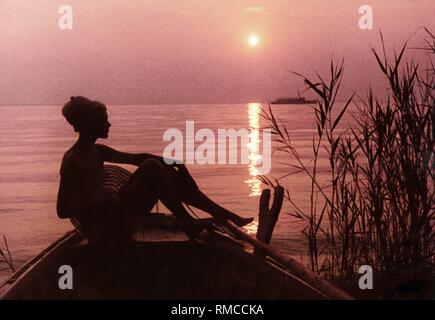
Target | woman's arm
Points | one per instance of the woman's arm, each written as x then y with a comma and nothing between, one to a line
111,155
115,156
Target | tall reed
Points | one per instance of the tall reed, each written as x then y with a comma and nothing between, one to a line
377,206
6,257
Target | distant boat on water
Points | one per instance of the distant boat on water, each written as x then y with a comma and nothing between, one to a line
292,100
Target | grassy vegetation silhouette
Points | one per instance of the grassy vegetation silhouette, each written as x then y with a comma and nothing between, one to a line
6,257
377,206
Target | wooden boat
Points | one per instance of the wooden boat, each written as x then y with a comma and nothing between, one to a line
160,262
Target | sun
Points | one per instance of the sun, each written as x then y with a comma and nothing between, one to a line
253,40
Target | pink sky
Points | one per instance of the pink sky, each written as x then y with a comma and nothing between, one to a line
185,51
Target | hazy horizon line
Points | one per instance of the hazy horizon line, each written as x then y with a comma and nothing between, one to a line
150,104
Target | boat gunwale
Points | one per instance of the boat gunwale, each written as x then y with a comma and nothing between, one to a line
18,277
212,238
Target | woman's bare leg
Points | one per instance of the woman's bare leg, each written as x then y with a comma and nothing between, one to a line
150,183
156,181
151,180
192,195
198,199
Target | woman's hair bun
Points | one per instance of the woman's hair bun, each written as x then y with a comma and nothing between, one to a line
78,109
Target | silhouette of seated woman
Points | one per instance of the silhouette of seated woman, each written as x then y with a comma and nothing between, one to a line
115,215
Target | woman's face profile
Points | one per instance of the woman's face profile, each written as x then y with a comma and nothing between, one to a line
95,124
101,124
87,117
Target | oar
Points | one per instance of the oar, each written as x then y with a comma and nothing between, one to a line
268,218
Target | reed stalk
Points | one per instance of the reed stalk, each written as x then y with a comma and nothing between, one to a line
6,257
377,206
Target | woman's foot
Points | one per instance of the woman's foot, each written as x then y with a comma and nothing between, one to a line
240,222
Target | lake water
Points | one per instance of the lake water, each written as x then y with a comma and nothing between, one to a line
34,138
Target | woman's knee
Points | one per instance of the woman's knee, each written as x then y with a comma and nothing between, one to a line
151,164
151,168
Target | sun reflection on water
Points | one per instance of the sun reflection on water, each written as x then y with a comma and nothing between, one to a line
251,228
253,147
